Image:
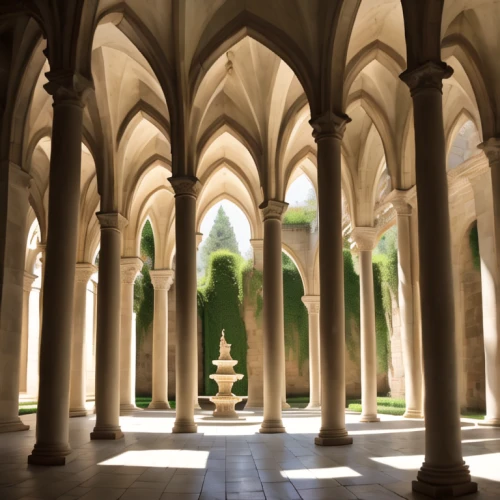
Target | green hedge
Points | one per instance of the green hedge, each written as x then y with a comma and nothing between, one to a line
351,302
474,246
299,216
220,304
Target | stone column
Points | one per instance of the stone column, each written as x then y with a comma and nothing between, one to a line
366,239
199,238
77,387
23,371
107,370
186,367
254,332
312,304
443,473
490,279
129,269
162,280
328,132
410,333
14,184
272,317
52,429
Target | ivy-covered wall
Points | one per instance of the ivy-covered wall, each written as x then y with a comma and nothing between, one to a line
296,315
143,288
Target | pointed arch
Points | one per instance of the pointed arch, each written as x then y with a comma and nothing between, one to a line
212,46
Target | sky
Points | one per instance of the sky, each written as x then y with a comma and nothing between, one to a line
296,195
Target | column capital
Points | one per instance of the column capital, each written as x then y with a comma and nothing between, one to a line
257,244
84,271
399,199
365,238
491,148
273,209
312,303
329,124
185,185
28,280
112,220
130,267
67,87
429,75
162,279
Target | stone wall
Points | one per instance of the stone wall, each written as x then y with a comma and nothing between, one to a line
396,375
473,344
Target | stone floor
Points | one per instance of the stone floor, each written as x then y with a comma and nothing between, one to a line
231,460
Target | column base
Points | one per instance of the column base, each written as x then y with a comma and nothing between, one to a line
13,426
184,426
369,418
128,408
413,414
159,405
49,455
111,433
313,405
490,421
444,482
254,404
79,411
335,437
272,427
285,405
197,405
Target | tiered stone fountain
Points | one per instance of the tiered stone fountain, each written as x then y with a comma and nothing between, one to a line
225,376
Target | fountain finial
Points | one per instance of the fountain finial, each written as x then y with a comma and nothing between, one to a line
224,348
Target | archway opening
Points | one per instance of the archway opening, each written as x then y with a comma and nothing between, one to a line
303,203
144,315
221,274
464,144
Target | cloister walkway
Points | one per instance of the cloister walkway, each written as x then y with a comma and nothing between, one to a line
231,460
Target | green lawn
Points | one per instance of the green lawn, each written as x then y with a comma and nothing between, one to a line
143,402
392,406
385,406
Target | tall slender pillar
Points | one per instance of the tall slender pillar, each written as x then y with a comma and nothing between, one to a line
410,332
77,387
23,373
444,472
490,279
52,429
273,317
328,132
107,370
129,269
489,290
254,338
14,184
366,239
186,367
162,281
312,304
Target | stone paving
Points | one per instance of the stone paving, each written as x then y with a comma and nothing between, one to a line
231,460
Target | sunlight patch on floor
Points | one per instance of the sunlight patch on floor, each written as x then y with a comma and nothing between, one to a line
179,459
